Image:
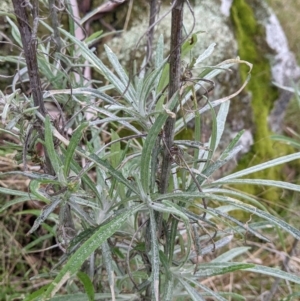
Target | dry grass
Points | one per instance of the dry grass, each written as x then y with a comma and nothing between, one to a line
17,263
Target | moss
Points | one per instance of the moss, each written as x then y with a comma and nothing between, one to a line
250,37
185,134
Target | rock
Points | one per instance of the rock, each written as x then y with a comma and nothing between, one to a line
284,67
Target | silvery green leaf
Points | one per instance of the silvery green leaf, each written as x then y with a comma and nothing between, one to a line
120,86
15,31
52,153
249,208
209,292
262,166
81,213
87,284
84,91
43,178
274,273
120,71
219,268
107,259
169,288
208,51
159,53
279,184
236,194
149,144
215,246
286,88
19,76
45,212
14,201
194,295
155,262
231,254
87,248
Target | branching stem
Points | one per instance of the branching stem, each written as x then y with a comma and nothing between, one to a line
29,42
153,13
174,86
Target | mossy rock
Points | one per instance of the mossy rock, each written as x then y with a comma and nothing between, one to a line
251,40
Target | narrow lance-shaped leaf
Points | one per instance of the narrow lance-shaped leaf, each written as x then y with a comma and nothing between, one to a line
279,184
259,167
34,189
218,123
74,141
84,177
172,208
189,44
217,296
212,269
120,70
155,263
194,295
231,145
215,246
14,201
159,53
87,284
115,173
107,258
275,273
221,120
56,164
15,31
273,219
115,150
208,51
150,143
149,84
232,253
8,191
42,178
85,250
45,212
98,64
248,208
169,289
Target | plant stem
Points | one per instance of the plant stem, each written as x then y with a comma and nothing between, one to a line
168,131
55,24
29,42
153,12
174,85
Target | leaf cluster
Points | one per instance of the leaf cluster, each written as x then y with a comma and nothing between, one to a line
106,177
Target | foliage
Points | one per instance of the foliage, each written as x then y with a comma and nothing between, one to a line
123,238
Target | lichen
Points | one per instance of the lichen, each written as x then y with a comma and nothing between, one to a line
250,38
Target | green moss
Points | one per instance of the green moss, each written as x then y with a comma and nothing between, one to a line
250,38
185,134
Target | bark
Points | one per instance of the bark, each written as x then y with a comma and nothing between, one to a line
174,85
29,41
